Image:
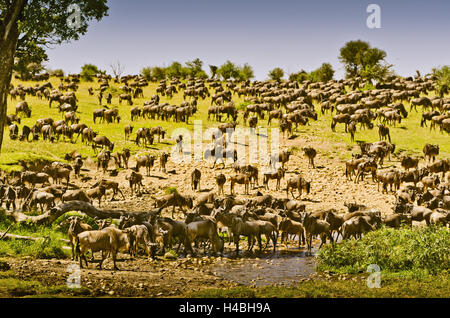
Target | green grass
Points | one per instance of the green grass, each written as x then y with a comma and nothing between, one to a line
50,247
14,286
408,136
419,251
391,287
13,151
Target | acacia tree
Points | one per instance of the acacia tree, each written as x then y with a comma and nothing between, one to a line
88,72
213,69
324,73
246,72
194,68
228,70
300,76
117,69
27,24
360,59
276,74
442,75
34,56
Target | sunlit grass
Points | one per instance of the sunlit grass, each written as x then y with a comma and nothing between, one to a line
408,136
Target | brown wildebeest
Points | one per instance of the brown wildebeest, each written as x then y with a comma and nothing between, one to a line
282,158
431,151
408,162
383,132
278,175
128,131
240,178
195,179
299,183
310,153
220,180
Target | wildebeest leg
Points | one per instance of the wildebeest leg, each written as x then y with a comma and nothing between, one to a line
259,242
274,240
73,251
179,246
251,242
114,256
120,191
267,241
85,260
322,239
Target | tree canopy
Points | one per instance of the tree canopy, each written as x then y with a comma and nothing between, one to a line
26,25
213,70
88,72
246,72
442,75
228,70
276,74
44,23
360,59
194,68
324,73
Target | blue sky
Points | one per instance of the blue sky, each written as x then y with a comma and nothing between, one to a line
290,34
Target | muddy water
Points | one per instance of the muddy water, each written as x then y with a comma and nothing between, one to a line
285,267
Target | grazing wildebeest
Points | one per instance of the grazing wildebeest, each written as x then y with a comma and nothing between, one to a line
431,151
102,141
383,132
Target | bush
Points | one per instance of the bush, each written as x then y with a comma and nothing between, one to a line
44,249
243,106
276,74
394,250
88,72
170,190
57,73
51,247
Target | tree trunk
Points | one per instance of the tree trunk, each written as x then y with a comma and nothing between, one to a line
49,217
9,35
5,236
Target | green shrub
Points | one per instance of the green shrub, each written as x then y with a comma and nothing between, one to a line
49,247
394,250
170,190
243,106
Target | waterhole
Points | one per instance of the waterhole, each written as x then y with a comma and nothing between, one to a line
285,268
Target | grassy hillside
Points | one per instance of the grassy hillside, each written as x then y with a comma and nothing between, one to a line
408,136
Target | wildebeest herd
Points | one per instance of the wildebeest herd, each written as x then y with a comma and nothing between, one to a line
421,190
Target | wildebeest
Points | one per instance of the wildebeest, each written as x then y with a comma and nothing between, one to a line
431,151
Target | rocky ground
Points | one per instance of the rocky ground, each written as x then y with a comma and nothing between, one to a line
329,188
